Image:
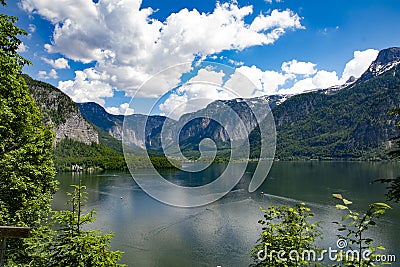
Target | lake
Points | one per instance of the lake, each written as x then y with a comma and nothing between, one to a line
221,234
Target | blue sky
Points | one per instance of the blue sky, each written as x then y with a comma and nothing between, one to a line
103,51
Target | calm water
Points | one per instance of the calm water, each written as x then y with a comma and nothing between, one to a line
222,233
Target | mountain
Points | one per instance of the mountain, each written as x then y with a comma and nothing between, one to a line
113,124
191,128
97,115
349,121
387,59
197,125
61,113
80,142
353,123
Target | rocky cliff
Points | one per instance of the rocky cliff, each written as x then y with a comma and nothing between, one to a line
61,113
134,135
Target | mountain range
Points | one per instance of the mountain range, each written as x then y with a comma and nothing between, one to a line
351,121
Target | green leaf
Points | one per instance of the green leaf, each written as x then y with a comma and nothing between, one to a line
346,202
368,241
382,205
341,207
345,217
338,196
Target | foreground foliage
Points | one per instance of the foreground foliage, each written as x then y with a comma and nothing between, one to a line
286,229
71,244
353,228
288,238
26,167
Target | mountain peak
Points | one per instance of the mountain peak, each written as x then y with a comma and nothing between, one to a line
351,79
388,55
385,61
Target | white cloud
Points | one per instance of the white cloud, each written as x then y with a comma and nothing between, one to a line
235,63
304,76
208,75
128,45
295,77
321,80
22,48
278,20
52,74
123,109
192,97
328,30
42,74
299,87
55,11
174,106
59,63
84,90
32,28
324,79
296,67
197,93
359,64
252,81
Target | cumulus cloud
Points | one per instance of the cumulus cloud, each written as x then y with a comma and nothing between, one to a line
127,47
197,93
278,21
321,80
208,75
303,76
22,48
123,109
52,74
59,63
83,89
359,64
296,67
324,79
192,97
252,81
130,46
174,106
295,77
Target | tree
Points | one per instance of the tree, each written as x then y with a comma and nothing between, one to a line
354,226
26,167
393,193
70,244
287,237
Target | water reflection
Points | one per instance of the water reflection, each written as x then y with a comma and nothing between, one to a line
154,234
